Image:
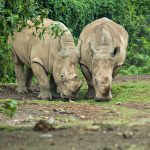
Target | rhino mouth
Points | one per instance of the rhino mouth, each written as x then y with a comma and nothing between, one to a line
70,94
102,99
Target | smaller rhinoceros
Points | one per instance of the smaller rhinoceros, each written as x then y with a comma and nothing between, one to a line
102,47
57,56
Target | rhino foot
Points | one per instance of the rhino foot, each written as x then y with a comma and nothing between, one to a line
22,90
29,90
90,94
45,95
87,96
56,96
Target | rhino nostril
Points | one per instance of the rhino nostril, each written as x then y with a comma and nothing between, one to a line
105,80
105,91
105,94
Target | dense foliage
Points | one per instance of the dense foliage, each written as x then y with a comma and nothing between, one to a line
75,14
13,17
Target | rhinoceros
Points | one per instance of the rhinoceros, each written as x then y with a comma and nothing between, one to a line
102,45
49,55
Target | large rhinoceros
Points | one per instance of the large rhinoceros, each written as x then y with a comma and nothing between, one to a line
102,45
55,56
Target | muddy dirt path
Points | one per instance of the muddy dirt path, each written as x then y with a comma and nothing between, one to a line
78,125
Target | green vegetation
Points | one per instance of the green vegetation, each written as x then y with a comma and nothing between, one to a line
75,14
9,108
124,92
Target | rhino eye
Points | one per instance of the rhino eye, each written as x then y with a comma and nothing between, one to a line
96,82
62,76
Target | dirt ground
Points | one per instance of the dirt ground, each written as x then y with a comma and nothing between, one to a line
89,132
100,138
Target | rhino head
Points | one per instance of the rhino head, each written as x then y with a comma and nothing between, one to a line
105,65
65,71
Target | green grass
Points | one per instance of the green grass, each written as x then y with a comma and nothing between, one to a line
131,91
13,128
124,92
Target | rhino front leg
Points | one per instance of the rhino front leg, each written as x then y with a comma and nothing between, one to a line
19,70
53,88
28,78
43,80
88,76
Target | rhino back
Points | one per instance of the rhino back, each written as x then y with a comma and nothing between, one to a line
118,36
29,47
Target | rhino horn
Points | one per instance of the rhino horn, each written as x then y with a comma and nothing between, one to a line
62,47
74,75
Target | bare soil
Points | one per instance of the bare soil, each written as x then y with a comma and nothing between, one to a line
132,78
83,136
79,138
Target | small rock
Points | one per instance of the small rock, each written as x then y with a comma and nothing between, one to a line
127,134
51,120
44,126
62,111
118,103
46,136
30,118
82,116
93,127
71,101
46,111
16,120
119,133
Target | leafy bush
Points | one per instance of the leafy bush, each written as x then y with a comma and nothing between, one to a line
75,14
133,15
9,108
13,17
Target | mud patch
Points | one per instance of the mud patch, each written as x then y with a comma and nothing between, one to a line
138,106
133,78
8,91
106,137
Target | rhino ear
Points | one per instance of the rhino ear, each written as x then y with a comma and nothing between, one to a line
93,50
62,47
116,51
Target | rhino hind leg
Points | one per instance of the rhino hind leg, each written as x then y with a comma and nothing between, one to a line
53,88
19,70
88,76
43,80
28,78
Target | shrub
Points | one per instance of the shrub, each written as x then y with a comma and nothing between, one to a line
75,14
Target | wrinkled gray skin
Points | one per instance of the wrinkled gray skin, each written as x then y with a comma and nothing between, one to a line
55,56
102,46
